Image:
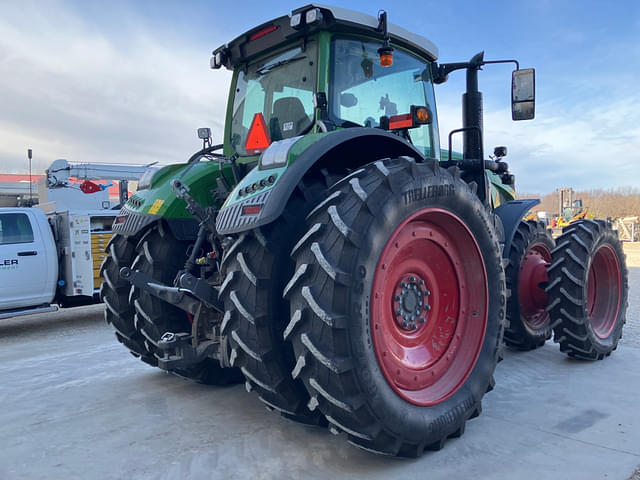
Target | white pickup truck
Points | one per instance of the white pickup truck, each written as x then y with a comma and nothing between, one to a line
52,254
50,259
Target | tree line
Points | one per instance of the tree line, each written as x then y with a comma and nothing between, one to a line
614,203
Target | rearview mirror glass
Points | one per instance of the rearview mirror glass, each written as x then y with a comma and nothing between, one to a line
523,94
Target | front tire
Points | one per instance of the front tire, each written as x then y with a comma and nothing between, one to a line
588,290
397,306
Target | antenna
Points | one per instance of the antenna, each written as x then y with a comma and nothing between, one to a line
30,155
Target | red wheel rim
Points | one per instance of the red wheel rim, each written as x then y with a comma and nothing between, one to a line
531,298
429,306
604,287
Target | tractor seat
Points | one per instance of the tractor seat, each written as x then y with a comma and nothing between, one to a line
289,118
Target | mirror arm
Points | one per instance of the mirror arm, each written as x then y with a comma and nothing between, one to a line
441,72
504,61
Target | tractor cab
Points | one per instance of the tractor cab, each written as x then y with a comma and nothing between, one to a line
323,69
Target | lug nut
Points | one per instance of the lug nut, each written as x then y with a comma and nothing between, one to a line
403,284
427,292
421,319
427,307
412,278
405,324
399,312
421,282
398,297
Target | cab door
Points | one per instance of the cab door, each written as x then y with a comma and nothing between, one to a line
23,266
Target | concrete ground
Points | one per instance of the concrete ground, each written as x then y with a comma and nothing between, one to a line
75,405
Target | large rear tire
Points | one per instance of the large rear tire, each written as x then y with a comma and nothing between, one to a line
114,292
160,255
398,306
588,290
257,267
528,324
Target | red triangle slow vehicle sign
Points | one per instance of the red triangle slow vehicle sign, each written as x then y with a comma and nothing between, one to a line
258,139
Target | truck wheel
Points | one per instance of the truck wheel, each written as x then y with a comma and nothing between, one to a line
528,323
160,255
257,267
398,306
114,292
588,290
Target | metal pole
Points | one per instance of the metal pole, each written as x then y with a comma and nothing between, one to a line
30,154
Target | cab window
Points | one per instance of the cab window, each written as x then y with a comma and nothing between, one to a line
15,228
363,91
280,88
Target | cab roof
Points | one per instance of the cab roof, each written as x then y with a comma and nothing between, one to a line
337,19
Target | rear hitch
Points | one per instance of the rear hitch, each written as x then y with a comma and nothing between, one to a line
178,351
188,297
200,288
172,295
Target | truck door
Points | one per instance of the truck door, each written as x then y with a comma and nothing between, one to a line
23,267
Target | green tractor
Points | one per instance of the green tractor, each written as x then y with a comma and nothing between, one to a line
330,255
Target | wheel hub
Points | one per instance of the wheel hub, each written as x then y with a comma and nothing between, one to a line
429,306
410,302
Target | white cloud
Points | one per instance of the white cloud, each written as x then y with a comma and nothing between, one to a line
67,90
73,90
590,145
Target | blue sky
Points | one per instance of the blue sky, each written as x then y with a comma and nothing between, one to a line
129,81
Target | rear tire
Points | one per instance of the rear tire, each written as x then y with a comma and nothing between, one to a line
387,236
256,268
528,324
114,292
588,290
160,255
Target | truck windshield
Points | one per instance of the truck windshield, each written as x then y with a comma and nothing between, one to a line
280,88
362,91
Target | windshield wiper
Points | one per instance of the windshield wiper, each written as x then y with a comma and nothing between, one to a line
267,68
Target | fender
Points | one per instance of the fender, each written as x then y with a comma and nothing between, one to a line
510,214
354,146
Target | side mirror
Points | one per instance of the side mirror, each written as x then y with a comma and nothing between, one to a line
523,94
348,100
